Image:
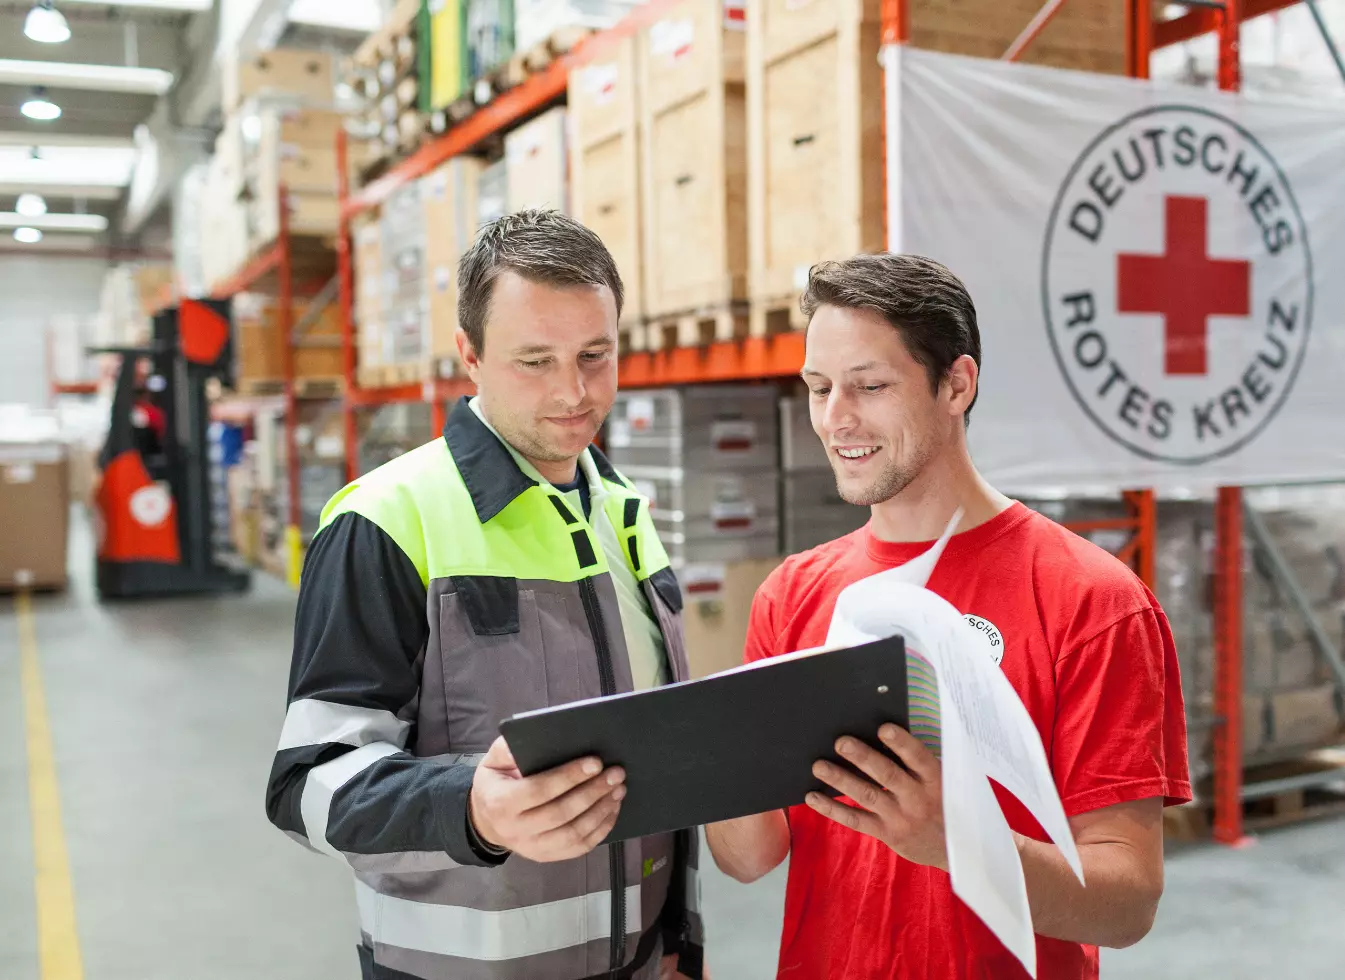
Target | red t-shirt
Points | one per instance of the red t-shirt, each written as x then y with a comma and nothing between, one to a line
1089,651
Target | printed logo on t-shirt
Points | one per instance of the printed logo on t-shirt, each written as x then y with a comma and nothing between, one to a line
990,634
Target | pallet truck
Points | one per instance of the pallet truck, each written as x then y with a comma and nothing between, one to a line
153,501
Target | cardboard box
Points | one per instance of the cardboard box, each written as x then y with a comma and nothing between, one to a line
492,193
449,200
718,601
1303,718
537,158
310,214
35,515
304,75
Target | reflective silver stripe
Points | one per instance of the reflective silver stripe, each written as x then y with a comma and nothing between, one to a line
452,930
400,862
693,891
322,783
313,722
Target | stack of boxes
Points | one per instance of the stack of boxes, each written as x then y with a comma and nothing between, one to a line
279,132
537,20
707,458
405,302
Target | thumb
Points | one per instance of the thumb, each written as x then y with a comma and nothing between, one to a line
499,756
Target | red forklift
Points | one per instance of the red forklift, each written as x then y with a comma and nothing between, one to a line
153,502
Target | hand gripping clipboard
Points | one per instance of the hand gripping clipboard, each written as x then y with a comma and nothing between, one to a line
724,746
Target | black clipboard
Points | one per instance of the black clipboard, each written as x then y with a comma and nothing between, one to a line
724,746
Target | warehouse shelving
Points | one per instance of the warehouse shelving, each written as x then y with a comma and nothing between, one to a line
782,355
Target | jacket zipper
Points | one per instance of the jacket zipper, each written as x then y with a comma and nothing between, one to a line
616,852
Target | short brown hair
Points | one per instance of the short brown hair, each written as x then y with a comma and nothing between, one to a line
541,246
927,304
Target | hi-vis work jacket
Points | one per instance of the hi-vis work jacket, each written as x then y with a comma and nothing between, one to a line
444,592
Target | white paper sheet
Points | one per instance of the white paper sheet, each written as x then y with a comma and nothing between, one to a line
986,732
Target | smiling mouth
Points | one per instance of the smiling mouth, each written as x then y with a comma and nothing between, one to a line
858,452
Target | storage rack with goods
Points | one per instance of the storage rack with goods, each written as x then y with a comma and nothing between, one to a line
769,348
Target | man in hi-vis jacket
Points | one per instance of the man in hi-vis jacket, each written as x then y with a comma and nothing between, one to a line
503,567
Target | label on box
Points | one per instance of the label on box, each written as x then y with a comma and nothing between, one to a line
735,14
438,184
801,277
618,434
598,82
703,581
735,436
733,515
443,278
640,413
24,577
20,473
672,39
329,447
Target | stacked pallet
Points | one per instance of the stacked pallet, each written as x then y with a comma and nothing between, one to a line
259,349
389,75
279,138
815,126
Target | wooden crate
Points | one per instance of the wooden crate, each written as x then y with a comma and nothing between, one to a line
1088,35
259,351
536,163
605,162
815,144
694,189
449,200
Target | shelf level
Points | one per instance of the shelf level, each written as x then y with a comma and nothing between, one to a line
749,359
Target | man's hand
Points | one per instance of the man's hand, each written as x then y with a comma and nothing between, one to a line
901,808
553,816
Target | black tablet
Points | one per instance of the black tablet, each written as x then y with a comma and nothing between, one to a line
724,746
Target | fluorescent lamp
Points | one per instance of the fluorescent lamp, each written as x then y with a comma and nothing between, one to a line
100,78
53,222
28,236
46,24
65,166
186,6
37,107
30,205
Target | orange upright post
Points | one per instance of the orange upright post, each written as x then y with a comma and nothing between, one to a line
345,272
1228,568
285,319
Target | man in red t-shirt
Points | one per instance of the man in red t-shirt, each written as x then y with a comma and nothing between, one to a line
893,361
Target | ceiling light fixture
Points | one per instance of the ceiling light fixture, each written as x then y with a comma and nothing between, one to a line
39,107
28,236
46,24
31,205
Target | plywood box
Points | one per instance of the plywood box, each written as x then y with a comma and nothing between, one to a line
310,214
305,75
815,150
536,160
1088,35
693,126
259,349
605,181
449,200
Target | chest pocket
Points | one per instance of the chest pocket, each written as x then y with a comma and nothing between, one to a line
503,649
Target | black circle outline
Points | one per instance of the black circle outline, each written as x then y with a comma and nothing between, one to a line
1046,299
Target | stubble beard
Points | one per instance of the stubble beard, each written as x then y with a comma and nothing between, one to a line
895,477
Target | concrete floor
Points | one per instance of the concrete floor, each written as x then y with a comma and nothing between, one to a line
164,717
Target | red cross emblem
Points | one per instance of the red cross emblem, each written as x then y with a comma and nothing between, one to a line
1185,285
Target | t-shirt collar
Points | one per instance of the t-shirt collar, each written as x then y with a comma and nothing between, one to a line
967,542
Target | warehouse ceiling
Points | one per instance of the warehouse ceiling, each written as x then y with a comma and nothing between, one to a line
138,86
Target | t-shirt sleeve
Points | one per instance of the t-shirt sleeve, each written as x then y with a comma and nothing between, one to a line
762,630
1120,731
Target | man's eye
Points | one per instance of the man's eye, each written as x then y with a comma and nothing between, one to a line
595,355
531,364
821,392
879,387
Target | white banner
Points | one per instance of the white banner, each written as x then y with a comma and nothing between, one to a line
1158,271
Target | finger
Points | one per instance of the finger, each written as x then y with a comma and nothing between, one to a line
846,816
577,801
870,796
582,835
499,756
921,762
547,786
878,767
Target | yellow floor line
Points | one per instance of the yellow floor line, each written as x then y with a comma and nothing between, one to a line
57,940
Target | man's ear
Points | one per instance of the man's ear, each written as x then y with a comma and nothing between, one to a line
471,361
963,378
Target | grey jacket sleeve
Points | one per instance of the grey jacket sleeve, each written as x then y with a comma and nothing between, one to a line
343,781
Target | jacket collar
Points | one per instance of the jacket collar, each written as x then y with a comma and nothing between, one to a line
492,477
488,470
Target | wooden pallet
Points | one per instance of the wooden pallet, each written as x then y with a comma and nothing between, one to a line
693,328
1194,821
540,56
319,387
776,315
260,387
